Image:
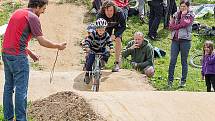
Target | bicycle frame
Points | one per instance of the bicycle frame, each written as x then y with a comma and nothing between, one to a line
96,72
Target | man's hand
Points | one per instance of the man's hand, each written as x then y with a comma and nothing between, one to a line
62,46
184,12
33,56
134,46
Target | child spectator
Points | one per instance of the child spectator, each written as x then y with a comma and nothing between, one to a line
208,65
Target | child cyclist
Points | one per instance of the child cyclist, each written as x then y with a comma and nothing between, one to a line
208,65
96,42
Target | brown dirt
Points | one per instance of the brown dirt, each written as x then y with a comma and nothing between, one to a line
63,106
61,23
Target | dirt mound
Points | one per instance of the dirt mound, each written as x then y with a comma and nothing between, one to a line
63,106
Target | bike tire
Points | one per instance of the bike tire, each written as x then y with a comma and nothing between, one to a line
97,80
195,61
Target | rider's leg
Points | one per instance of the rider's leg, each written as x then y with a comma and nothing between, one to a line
89,62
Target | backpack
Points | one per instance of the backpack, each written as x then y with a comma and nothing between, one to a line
158,53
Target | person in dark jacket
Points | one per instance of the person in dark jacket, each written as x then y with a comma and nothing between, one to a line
208,65
96,4
117,23
142,54
156,13
181,29
170,9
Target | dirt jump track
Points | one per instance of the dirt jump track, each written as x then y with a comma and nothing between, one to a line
124,96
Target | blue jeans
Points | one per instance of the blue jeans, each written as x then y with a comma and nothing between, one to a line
91,58
182,46
16,70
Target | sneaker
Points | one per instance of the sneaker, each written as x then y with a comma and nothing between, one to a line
116,68
182,84
142,19
87,78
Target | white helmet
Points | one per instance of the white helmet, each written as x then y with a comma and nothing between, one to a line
101,23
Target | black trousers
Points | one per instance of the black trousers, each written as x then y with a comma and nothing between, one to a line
97,4
156,13
169,11
210,79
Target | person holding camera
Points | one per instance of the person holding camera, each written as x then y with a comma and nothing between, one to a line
181,36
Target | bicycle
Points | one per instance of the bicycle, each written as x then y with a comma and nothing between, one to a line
196,60
96,73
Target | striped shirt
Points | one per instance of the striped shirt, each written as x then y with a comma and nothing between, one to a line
98,43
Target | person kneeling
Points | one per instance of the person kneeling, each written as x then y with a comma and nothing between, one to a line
142,54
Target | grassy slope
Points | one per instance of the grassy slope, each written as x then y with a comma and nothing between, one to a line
159,81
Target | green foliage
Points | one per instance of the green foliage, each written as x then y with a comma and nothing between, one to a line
204,1
1,113
159,81
2,116
8,8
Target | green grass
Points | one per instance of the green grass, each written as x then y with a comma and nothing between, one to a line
2,117
159,81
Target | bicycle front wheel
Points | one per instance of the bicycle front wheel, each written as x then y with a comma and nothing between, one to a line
196,61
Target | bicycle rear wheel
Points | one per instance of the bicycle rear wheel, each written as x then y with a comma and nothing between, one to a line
196,61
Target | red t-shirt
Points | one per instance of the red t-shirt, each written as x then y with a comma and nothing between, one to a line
121,3
22,26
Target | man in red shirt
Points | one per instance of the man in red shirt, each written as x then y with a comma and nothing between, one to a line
23,24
